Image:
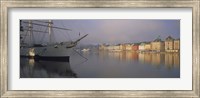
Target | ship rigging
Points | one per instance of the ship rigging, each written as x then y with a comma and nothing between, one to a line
52,50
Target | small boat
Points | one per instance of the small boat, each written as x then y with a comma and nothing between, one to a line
85,50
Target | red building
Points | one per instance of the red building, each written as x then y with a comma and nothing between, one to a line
135,47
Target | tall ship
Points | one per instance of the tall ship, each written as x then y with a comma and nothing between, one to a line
52,51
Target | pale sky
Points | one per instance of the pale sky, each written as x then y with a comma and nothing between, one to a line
115,31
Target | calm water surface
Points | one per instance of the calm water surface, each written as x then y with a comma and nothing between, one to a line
102,64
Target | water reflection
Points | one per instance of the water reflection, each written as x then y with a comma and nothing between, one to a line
172,60
104,64
169,60
107,64
45,69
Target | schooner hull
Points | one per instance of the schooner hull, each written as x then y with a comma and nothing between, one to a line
57,52
52,58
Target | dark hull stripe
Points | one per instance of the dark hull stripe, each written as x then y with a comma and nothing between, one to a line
49,58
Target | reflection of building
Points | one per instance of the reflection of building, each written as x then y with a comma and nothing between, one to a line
141,57
116,55
169,44
156,59
177,45
128,55
123,55
134,55
147,57
169,60
176,60
157,45
141,47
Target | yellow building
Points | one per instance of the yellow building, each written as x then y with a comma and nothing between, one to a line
110,47
116,47
157,45
147,46
122,47
169,44
177,45
128,47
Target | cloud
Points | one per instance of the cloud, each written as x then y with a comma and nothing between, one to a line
119,30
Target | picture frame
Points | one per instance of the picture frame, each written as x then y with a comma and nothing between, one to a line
4,61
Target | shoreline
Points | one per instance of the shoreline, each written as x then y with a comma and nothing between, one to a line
162,52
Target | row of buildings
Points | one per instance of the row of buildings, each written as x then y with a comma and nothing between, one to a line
169,45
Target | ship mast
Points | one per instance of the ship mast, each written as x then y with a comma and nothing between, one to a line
50,30
48,24
30,32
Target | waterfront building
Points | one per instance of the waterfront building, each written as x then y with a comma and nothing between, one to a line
147,46
169,44
110,47
135,47
116,47
128,47
141,47
122,47
157,45
177,45
102,47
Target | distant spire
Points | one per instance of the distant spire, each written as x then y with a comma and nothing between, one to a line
158,36
169,38
158,39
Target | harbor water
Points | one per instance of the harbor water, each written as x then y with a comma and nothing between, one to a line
105,64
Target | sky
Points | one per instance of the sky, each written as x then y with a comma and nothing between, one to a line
116,31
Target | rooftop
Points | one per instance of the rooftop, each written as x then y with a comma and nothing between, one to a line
169,38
